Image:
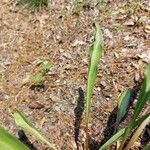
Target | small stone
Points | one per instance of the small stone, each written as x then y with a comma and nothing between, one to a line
137,77
61,50
98,89
127,38
103,83
67,55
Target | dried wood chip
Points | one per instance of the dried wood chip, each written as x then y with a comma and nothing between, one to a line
36,105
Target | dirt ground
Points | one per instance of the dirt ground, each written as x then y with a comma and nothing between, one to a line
61,34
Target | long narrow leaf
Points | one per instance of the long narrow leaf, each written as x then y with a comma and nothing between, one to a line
137,133
123,105
10,142
25,124
95,52
142,99
120,133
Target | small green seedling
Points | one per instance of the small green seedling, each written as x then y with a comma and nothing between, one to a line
39,77
46,65
95,52
136,121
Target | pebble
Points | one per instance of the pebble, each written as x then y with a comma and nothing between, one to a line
103,83
137,77
127,38
67,55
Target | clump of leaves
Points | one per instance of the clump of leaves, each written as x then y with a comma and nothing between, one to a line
95,52
42,67
34,4
136,120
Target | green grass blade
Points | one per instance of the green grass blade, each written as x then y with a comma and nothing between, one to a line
138,132
142,99
26,125
10,142
123,105
120,133
95,53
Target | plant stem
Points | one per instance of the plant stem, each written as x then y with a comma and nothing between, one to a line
86,131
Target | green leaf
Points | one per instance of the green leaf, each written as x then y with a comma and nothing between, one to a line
37,79
95,52
26,125
123,105
120,133
142,99
46,66
138,132
146,147
10,142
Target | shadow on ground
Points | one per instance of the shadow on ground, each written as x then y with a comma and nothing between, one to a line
24,139
78,115
145,139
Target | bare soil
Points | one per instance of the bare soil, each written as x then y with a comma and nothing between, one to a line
60,35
